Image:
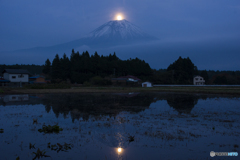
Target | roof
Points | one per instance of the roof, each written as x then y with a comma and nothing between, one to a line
197,76
16,71
35,77
3,80
147,82
130,76
119,78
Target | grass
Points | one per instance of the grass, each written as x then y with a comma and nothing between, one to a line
1,91
48,86
50,129
66,88
40,154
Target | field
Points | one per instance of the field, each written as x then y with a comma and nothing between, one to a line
232,90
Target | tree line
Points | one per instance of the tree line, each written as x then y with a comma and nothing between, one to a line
183,70
80,68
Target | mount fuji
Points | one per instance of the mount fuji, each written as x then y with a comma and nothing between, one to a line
112,33
119,32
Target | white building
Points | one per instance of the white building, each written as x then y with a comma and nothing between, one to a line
146,84
198,80
16,76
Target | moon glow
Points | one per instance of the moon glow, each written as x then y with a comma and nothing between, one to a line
119,17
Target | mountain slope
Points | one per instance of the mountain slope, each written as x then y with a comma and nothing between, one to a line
118,32
112,33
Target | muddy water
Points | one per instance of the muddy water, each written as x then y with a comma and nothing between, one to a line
119,126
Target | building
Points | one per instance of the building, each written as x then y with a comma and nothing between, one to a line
198,80
4,82
16,77
37,79
146,84
126,80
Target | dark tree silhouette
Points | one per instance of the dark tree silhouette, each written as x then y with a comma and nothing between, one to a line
47,67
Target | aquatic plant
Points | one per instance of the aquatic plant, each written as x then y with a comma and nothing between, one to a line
235,146
18,158
34,121
50,129
131,139
1,130
31,146
39,154
58,147
194,116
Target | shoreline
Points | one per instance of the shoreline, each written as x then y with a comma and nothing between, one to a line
227,90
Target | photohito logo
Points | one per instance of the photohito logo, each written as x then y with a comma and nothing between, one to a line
212,153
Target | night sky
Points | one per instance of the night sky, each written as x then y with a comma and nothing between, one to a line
33,23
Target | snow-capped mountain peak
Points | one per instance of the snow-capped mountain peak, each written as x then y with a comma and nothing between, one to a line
118,30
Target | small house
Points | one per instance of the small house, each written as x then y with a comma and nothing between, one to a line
4,82
37,79
125,80
16,77
146,84
198,80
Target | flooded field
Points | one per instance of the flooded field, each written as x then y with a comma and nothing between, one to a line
118,126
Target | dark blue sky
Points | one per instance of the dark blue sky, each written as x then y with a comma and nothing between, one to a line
32,23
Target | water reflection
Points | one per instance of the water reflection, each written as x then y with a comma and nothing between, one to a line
182,103
119,150
86,105
82,106
119,126
15,98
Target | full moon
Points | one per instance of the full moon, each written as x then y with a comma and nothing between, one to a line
119,17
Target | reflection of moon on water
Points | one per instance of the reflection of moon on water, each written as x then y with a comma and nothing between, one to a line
119,153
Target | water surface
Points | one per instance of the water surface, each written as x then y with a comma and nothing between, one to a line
120,126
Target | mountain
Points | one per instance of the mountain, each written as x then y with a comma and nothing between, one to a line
118,32
112,33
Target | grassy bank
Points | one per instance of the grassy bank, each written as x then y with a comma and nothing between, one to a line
185,89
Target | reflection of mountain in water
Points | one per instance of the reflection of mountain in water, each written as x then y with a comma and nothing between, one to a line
84,105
